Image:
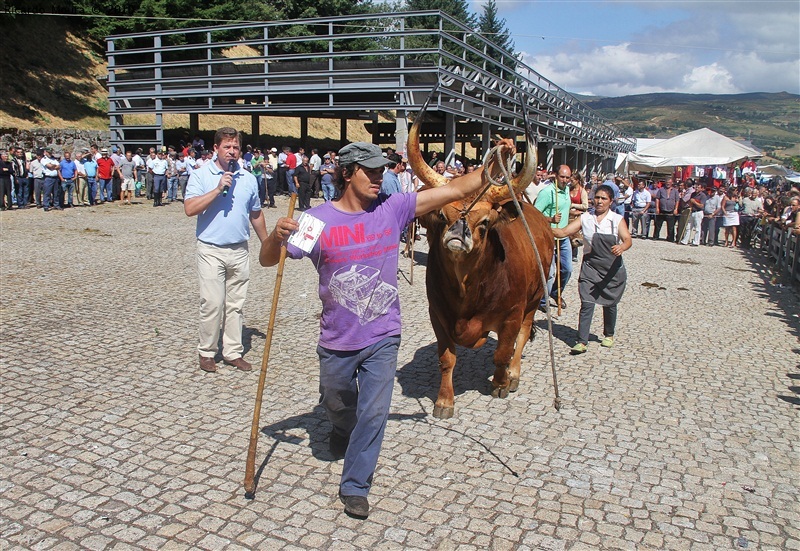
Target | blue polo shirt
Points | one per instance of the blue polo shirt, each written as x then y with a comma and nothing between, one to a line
68,169
90,167
226,221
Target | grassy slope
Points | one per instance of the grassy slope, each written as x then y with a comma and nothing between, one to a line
49,77
53,84
770,121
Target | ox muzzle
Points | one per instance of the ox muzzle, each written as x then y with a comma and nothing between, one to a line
458,237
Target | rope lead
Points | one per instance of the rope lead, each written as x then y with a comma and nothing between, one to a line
507,177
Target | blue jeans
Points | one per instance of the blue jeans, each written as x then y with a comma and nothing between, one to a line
566,269
356,391
290,180
105,189
23,191
172,188
159,185
67,185
50,188
328,191
262,188
91,185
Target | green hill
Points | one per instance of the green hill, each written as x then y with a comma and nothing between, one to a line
770,121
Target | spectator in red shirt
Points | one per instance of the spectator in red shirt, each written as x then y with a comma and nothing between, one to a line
291,164
105,174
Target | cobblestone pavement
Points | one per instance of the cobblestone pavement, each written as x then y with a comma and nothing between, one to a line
683,436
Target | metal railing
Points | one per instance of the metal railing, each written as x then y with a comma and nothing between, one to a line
782,246
340,66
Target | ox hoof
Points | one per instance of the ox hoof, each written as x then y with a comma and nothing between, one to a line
500,392
443,413
513,386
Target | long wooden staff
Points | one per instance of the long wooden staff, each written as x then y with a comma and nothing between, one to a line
558,257
412,235
250,465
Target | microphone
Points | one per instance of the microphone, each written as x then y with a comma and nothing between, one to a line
231,168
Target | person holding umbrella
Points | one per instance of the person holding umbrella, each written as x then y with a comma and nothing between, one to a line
603,277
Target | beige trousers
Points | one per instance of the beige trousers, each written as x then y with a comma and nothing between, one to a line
224,273
81,190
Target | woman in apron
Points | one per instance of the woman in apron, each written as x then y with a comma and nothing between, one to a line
603,276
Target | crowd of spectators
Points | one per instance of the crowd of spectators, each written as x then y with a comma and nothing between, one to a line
687,212
93,175
690,212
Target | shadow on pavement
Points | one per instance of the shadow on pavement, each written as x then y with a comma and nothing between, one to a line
316,425
785,297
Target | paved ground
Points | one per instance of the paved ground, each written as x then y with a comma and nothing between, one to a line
684,436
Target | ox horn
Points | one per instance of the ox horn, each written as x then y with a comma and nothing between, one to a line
498,194
425,173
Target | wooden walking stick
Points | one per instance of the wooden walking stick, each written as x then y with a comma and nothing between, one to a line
250,465
558,258
411,236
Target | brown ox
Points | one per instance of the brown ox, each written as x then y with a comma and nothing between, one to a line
482,276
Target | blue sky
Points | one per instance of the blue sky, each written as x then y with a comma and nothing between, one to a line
615,48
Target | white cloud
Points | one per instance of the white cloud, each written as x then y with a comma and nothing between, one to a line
611,70
701,47
709,79
752,72
623,69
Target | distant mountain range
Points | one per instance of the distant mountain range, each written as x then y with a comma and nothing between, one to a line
770,122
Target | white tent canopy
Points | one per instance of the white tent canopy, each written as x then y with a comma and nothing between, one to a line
773,170
702,147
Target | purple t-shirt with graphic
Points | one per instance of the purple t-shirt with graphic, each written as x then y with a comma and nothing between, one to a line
356,258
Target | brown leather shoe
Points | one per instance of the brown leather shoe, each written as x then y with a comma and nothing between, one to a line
239,363
208,364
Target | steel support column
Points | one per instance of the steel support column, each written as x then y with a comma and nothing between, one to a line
449,134
486,139
342,132
303,130
400,132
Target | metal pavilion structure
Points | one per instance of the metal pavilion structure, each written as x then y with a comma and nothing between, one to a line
352,67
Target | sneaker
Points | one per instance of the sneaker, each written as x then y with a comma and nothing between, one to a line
337,444
607,342
355,506
579,348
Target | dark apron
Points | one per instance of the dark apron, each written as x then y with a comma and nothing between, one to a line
603,276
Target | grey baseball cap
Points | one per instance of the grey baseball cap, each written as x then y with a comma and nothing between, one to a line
366,154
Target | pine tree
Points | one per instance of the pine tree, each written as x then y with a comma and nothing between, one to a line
494,29
457,9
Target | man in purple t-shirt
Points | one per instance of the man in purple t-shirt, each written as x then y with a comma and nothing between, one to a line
357,258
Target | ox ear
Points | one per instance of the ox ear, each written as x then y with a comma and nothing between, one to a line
506,212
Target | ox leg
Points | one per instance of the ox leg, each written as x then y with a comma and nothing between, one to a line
516,360
445,401
501,382
444,408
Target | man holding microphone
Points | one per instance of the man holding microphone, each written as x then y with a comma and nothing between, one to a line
224,197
